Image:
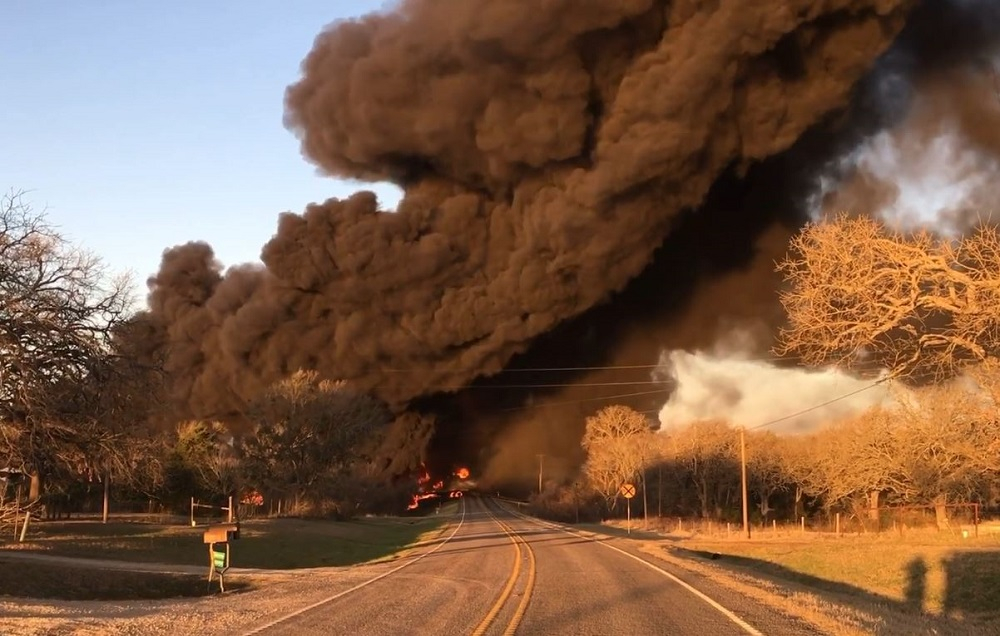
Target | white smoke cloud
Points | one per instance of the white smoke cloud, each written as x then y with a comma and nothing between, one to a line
922,183
732,386
928,171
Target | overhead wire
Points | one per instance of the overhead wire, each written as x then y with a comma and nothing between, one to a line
651,411
610,367
583,400
545,386
629,383
819,406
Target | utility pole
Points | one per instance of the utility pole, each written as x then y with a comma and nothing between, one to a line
107,485
541,461
743,471
645,511
659,491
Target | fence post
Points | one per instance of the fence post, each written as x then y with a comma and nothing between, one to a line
774,524
17,509
803,520
24,526
975,523
838,524
192,512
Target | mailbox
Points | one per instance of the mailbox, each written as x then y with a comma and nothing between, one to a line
222,533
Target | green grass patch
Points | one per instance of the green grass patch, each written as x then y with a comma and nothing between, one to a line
925,575
266,544
49,581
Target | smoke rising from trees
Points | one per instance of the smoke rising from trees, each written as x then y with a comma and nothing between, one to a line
746,391
545,155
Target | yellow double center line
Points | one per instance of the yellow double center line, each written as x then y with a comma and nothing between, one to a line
529,585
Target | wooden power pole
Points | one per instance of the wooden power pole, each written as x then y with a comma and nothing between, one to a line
541,458
743,480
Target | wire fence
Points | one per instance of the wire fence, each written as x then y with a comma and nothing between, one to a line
946,521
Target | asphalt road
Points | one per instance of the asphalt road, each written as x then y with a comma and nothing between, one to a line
502,573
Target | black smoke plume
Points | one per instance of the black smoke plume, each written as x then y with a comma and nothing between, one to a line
550,153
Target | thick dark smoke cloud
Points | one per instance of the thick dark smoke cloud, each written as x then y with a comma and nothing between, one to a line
545,152
585,184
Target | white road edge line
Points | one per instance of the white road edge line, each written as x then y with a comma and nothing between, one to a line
357,587
747,627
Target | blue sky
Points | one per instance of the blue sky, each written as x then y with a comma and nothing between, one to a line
138,125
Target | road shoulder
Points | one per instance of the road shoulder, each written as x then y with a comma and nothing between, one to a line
827,611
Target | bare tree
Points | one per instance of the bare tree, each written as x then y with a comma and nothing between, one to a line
856,462
799,462
862,296
619,444
943,432
708,453
57,309
766,468
933,446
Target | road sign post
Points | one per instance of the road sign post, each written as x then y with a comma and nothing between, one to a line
628,491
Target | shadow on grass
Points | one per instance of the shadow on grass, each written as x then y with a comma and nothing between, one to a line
614,531
271,545
972,581
91,529
972,585
49,581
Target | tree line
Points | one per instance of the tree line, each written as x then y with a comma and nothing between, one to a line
915,309
83,402
930,447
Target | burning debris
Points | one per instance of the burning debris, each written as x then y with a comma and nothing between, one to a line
438,490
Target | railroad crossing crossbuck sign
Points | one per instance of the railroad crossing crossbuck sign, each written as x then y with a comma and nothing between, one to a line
628,491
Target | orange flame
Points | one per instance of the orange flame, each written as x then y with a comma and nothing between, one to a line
462,473
415,502
424,476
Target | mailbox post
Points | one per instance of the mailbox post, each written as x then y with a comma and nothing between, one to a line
218,557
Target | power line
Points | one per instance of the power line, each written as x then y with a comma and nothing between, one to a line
819,406
544,386
664,390
583,400
610,367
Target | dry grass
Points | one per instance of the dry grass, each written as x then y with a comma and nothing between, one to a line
930,574
829,617
918,582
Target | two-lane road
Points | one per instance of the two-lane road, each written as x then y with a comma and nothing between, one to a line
498,572
449,591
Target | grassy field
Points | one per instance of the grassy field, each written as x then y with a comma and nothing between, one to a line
265,544
934,573
37,580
